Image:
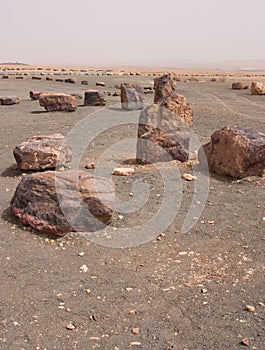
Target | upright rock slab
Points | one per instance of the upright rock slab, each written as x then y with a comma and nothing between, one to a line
132,97
42,152
58,102
235,152
60,202
94,98
164,131
163,86
257,88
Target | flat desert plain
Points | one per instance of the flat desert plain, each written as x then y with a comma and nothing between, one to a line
201,289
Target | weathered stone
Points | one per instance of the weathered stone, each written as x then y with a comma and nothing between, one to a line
163,133
49,79
235,152
239,86
84,82
5,77
163,86
132,97
116,93
179,105
257,88
36,78
58,102
9,100
100,83
59,80
42,152
60,202
94,98
35,95
70,80
77,95
20,78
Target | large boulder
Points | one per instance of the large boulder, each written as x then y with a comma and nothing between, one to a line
163,86
257,88
42,152
58,102
239,86
235,152
164,131
60,202
94,98
132,97
9,100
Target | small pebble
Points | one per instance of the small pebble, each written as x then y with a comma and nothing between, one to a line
135,330
81,254
250,308
70,326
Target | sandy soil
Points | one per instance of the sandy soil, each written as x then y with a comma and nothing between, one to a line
179,290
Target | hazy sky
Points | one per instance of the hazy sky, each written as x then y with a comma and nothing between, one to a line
137,32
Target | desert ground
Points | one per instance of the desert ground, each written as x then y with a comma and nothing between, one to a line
201,289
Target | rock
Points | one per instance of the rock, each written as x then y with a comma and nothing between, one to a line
86,202
132,97
123,171
163,86
117,86
9,100
90,166
42,152
94,98
250,308
20,78
257,88
36,78
77,95
116,93
49,79
5,77
70,80
58,102
35,95
164,131
84,82
188,177
179,105
146,92
70,326
59,80
235,152
135,330
239,86
100,83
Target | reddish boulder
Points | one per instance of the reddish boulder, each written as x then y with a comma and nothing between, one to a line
164,131
163,87
42,152
132,97
257,88
9,100
235,152
58,102
239,86
35,95
94,98
60,202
